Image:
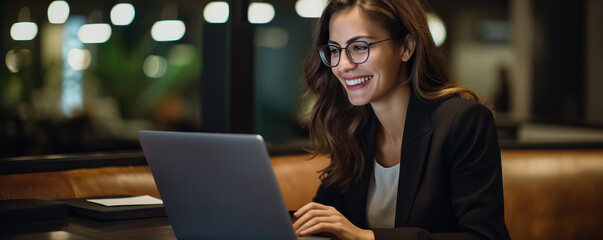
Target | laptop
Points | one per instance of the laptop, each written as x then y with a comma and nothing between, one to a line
217,186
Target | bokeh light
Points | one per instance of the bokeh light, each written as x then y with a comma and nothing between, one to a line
310,8
122,14
58,12
168,30
154,66
24,31
437,29
17,59
79,59
94,33
216,12
260,13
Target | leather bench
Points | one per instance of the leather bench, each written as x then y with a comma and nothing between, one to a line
549,194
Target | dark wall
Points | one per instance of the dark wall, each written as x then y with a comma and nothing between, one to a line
559,62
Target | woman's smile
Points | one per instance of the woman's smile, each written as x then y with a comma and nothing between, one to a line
357,82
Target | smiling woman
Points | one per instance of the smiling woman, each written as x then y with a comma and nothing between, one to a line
412,153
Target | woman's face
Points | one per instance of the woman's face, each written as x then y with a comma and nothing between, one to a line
376,79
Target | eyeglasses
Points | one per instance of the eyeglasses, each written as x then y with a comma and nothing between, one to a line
357,52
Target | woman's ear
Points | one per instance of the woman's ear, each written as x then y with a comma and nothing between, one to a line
408,48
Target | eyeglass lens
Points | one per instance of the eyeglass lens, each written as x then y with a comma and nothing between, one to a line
357,52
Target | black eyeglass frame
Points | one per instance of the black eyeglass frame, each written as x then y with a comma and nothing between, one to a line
347,53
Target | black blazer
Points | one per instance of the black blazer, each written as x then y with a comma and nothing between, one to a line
450,183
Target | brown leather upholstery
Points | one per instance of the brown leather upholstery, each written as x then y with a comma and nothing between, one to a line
553,194
549,194
131,180
51,185
113,181
297,177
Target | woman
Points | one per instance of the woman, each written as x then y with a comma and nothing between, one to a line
413,155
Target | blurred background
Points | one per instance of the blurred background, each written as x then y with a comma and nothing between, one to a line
78,79
85,76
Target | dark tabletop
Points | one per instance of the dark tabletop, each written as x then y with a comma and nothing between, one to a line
75,228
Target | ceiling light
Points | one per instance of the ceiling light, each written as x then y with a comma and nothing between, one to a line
216,12
58,12
168,30
310,8
122,14
260,13
94,33
24,31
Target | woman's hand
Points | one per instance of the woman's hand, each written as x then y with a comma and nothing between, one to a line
316,218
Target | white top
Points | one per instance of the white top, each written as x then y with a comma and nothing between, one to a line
382,196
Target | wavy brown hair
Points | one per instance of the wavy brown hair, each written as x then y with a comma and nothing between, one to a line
333,121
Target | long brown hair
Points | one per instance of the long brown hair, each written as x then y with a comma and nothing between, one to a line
333,121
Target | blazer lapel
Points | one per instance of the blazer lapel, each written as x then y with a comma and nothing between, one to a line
417,138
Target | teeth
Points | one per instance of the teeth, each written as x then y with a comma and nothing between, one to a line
357,81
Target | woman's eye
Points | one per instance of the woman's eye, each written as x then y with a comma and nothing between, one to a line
359,47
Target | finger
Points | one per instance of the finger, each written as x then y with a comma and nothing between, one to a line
314,222
303,211
310,214
312,210
318,220
323,227
308,207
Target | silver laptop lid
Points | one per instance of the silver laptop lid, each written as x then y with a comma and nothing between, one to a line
217,186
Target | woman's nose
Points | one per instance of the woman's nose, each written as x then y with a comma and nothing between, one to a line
346,64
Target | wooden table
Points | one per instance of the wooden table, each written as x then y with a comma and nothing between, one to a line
81,228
